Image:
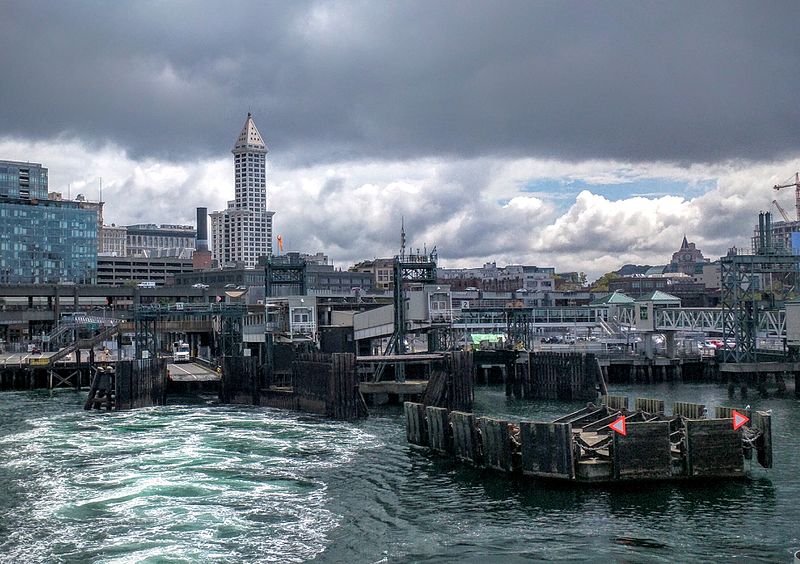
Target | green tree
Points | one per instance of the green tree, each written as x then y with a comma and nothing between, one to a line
601,284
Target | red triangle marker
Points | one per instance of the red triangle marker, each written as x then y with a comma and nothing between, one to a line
738,419
619,426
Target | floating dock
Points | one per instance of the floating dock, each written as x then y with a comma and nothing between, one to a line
581,447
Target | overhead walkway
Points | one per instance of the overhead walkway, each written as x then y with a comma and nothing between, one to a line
499,320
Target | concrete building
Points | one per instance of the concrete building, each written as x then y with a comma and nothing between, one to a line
148,240
43,240
381,270
710,276
320,279
113,241
242,233
533,285
492,278
120,271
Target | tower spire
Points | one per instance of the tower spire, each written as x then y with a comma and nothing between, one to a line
249,138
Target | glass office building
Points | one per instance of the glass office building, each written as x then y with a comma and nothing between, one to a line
47,242
24,181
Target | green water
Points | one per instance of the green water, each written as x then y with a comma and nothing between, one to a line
201,482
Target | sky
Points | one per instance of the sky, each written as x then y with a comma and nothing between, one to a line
580,135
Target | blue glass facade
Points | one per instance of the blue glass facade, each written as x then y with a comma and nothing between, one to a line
47,242
25,181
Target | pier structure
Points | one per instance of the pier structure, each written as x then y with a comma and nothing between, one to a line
603,443
753,283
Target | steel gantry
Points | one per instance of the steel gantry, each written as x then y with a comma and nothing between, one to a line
414,268
284,275
226,321
752,285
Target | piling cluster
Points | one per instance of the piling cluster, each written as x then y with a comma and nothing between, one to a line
582,447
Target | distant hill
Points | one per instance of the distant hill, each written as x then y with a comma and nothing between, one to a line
632,269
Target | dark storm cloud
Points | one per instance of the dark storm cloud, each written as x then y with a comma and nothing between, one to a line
349,80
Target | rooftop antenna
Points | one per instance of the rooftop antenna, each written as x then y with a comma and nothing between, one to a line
402,237
101,189
69,191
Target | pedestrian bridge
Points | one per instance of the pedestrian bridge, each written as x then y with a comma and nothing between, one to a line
710,320
500,320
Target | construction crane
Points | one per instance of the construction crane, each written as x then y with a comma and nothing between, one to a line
796,185
783,211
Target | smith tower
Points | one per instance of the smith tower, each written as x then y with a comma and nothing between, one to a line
243,232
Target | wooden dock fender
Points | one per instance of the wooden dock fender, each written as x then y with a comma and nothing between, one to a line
644,453
721,412
713,448
689,410
496,443
654,406
464,437
614,402
762,421
416,424
440,438
547,450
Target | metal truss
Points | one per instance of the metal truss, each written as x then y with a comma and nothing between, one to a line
285,272
226,321
704,319
748,290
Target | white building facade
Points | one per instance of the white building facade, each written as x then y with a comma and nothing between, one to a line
242,233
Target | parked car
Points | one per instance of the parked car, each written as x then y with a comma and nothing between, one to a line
200,285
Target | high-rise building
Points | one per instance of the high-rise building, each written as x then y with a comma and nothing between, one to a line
24,181
43,240
242,233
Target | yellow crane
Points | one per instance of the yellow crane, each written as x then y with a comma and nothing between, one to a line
796,185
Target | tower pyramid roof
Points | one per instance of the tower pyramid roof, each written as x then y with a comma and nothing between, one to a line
249,138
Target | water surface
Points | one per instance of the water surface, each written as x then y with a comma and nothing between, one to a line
197,482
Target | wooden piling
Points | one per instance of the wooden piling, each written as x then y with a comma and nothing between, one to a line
644,453
762,422
614,402
439,432
654,406
688,410
496,443
713,448
547,450
416,425
567,376
464,437
140,383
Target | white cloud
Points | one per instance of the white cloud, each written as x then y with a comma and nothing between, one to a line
473,210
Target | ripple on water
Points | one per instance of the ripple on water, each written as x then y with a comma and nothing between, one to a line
173,484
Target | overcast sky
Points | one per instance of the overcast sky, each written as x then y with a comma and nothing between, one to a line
570,134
